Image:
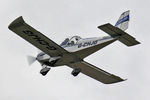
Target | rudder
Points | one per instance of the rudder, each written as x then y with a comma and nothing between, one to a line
123,21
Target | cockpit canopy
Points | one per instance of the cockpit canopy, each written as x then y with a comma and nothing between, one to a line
70,41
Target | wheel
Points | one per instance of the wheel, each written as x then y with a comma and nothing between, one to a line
75,72
44,71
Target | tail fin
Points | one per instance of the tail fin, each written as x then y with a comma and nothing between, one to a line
123,21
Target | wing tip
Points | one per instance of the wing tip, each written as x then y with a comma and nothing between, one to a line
117,80
17,22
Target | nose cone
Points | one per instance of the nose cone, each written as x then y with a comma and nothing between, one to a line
42,56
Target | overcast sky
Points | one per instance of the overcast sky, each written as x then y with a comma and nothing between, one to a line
58,19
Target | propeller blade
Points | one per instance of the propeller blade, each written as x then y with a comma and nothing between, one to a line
31,59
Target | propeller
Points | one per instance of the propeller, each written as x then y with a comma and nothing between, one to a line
31,59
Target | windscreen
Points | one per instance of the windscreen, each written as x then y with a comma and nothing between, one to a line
64,42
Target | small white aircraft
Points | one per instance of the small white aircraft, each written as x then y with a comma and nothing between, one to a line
73,50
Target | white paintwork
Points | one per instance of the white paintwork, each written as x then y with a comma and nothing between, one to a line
74,48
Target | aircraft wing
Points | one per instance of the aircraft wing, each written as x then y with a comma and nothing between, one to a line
35,38
96,73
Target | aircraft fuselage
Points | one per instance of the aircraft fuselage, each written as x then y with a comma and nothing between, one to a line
66,58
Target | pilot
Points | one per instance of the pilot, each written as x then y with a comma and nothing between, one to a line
71,43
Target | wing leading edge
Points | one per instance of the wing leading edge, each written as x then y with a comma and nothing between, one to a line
35,37
96,73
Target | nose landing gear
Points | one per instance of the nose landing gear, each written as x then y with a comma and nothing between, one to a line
44,70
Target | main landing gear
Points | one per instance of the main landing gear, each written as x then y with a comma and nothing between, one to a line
46,66
76,71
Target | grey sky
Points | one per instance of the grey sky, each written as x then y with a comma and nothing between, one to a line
58,19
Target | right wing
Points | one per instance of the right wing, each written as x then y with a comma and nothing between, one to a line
96,73
35,38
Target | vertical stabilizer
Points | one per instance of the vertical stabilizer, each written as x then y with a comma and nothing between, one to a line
123,21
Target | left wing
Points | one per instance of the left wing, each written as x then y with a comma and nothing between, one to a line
35,38
96,73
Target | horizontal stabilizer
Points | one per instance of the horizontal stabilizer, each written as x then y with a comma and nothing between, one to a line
123,37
